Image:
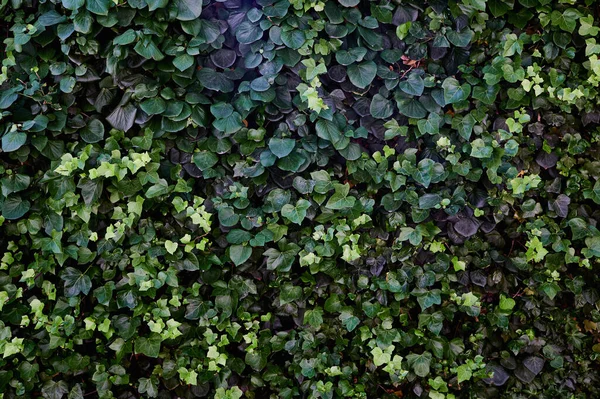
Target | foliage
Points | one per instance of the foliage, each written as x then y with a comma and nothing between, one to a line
304,198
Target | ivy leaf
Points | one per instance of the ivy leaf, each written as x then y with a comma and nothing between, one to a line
487,94
420,363
455,92
281,259
188,10
340,199
566,20
205,160
414,85
593,193
149,386
171,246
93,132
122,118
239,254
431,125
314,317
361,75
54,389
99,7
424,171
183,62
14,207
281,147
500,7
75,282
463,373
12,141
293,39
411,107
460,39
149,346
214,80
154,106
381,107
295,214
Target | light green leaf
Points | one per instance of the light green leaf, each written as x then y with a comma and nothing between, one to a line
171,246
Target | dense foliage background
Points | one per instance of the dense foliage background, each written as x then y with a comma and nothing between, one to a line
304,198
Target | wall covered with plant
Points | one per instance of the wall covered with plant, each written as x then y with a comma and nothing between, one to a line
299,199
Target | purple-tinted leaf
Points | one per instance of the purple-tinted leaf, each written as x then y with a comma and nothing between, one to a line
546,160
466,227
561,205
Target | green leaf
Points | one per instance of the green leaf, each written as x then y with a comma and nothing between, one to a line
295,214
239,254
247,32
14,207
480,150
67,84
99,7
73,4
349,3
587,27
283,258
149,386
414,85
148,49
281,147
153,106
381,107
227,216
420,363
93,132
75,282
455,92
183,62
429,201
500,7
506,303
54,389
431,125
293,39
238,236
460,39
566,20
361,75
512,45
205,160
171,246
424,171
328,130
12,141
213,80
314,317
411,107
156,4
487,94
464,373
340,199
148,346
159,188
188,10
593,193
